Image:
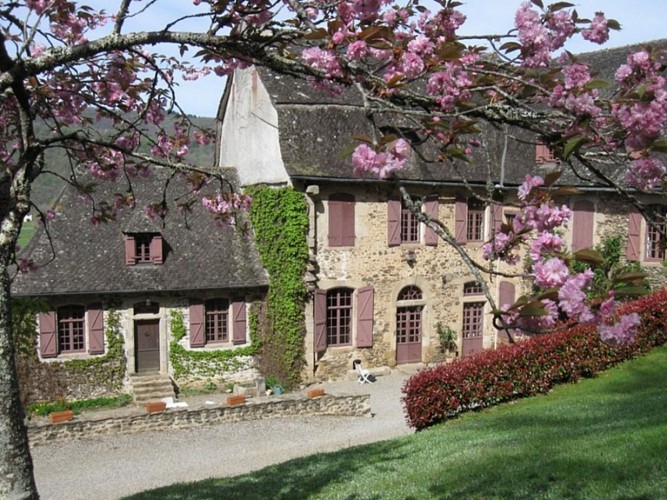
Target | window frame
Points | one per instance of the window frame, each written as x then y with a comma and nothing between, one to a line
339,316
216,320
475,221
472,319
410,231
653,239
71,323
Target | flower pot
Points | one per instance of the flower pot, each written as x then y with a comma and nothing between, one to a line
236,399
155,407
61,416
316,393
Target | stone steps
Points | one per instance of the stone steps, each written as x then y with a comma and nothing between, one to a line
151,387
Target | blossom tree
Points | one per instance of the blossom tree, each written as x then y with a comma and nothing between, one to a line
67,67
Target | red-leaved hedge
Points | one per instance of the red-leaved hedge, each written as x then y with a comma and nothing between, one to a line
527,368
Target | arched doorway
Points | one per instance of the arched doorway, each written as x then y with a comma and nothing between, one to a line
409,307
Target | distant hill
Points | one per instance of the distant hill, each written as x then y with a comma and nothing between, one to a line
47,187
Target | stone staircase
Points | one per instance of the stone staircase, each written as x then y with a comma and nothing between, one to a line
151,387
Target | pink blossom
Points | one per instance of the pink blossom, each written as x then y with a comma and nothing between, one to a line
598,32
323,60
622,332
357,50
551,273
366,159
545,242
646,173
528,185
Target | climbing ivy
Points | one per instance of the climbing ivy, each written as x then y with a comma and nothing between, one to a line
208,364
280,221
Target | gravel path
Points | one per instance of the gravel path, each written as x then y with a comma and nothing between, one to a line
110,467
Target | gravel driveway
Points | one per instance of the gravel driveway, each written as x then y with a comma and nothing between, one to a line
113,466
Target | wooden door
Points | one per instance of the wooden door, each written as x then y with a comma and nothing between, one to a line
409,334
472,328
147,345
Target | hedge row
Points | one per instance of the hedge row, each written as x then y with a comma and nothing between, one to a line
527,368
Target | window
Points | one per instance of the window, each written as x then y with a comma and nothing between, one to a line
409,226
472,319
469,215
333,317
341,220
544,154
475,220
143,248
409,325
71,329
339,316
472,288
217,320
655,235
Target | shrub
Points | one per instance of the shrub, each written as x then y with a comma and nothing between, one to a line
527,368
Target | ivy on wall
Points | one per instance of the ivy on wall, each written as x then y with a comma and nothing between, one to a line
72,379
203,363
280,220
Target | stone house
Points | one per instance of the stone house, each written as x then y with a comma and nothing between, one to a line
383,288
146,276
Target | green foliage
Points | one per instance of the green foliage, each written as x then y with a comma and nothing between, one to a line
44,408
613,273
280,221
206,364
447,337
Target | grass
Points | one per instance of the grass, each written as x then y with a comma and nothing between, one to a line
45,408
603,438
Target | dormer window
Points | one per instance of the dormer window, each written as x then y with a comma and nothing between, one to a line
143,248
544,154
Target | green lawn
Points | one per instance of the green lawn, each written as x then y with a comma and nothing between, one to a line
603,438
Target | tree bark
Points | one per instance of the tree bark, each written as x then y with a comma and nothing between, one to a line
17,480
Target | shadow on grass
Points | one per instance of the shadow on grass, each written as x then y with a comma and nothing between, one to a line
601,438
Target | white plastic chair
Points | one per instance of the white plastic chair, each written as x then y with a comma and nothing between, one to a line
362,373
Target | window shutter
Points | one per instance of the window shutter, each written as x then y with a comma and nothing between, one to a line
582,225
96,330
197,336
634,227
335,223
48,337
431,209
320,316
130,250
497,210
156,249
347,227
239,326
460,220
365,298
507,296
393,222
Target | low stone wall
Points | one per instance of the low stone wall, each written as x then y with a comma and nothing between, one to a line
181,418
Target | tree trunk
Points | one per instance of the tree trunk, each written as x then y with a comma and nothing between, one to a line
16,470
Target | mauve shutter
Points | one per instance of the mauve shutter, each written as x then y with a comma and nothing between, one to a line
335,223
239,327
431,209
506,297
95,330
497,210
365,298
130,250
347,226
320,316
156,249
48,339
582,225
197,336
634,227
393,222
460,216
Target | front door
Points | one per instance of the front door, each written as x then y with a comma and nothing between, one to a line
409,334
147,345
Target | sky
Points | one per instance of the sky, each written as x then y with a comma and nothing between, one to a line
641,20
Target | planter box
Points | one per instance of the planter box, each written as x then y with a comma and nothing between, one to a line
235,400
155,407
61,416
316,393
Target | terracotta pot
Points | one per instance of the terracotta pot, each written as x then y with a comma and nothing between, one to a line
316,393
61,416
236,399
155,407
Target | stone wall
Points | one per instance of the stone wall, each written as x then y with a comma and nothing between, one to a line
182,418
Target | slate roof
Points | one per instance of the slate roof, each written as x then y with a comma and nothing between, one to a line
317,134
91,259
